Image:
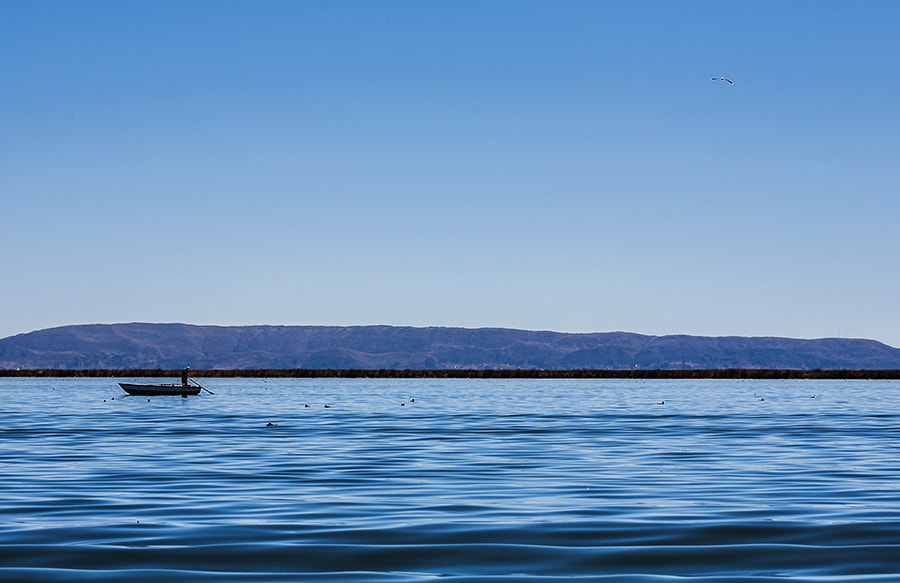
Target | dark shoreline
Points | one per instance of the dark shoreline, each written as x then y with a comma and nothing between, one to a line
730,373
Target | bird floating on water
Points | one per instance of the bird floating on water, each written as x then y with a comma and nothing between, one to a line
730,82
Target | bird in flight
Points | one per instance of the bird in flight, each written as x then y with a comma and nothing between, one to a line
730,82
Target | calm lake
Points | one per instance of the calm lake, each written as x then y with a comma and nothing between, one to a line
457,480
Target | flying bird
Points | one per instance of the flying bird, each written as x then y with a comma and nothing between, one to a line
730,82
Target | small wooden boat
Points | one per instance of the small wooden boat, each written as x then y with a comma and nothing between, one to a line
159,389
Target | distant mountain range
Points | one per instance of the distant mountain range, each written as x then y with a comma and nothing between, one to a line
173,346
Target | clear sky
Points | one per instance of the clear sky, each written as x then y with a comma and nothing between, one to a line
566,166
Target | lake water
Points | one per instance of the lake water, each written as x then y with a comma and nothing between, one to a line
457,480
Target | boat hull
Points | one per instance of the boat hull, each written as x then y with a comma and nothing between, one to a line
159,389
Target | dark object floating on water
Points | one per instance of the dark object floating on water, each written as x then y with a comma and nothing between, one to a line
159,389
661,403
270,424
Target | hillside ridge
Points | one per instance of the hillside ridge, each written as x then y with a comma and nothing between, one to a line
172,346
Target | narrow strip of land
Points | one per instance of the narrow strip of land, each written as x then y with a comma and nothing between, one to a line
729,373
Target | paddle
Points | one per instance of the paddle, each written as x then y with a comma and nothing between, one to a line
201,386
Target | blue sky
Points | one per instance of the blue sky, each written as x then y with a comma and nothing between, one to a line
563,166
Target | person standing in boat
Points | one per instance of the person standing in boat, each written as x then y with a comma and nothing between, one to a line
184,376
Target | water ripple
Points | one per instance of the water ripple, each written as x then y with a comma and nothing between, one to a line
460,480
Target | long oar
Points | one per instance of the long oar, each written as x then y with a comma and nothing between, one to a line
201,386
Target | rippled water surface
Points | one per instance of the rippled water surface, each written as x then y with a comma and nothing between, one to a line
414,480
